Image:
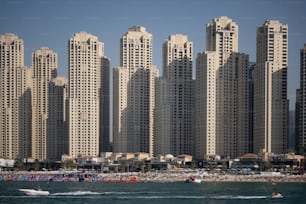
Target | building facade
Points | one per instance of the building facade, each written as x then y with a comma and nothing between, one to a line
134,93
162,118
270,88
57,129
205,114
104,144
15,99
301,139
44,70
297,121
222,87
177,79
85,55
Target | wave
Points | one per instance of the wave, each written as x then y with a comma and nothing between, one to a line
123,195
221,197
130,192
239,197
76,193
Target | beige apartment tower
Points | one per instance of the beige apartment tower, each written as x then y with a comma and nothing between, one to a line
206,70
301,139
270,88
134,93
221,93
15,99
57,129
175,91
44,70
85,55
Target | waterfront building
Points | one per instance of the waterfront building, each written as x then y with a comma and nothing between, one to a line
176,91
134,93
162,118
58,137
297,120
205,114
85,65
44,70
301,139
104,142
222,93
270,88
15,99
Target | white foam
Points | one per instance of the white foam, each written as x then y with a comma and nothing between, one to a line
77,193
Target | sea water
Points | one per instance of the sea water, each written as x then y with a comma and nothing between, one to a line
138,193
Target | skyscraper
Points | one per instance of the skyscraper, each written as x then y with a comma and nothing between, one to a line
206,96
104,145
58,138
134,92
162,118
222,93
302,104
15,99
177,80
44,70
85,59
297,120
270,88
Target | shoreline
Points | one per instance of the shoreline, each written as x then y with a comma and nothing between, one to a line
70,176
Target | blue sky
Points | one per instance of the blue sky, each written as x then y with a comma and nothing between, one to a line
51,23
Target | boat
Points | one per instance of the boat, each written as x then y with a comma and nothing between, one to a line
277,195
34,192
192,179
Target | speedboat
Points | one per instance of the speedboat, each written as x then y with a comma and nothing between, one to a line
276,195
34,192
192,179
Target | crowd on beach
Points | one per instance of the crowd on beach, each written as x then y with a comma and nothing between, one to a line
144,177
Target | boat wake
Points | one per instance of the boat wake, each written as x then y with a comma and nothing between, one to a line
76,193
146,195
239,197
225,197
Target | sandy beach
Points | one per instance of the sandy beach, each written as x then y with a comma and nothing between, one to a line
68,176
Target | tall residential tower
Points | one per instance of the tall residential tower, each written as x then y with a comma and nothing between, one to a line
301,139
174,99
134,93
44,70
222,93
85,64
270,88
15,99
58,138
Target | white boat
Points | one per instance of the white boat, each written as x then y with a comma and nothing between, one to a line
277,195
192,179
34,192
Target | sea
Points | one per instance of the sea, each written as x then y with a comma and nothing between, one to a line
138,193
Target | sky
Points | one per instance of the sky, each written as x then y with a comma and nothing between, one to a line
50,23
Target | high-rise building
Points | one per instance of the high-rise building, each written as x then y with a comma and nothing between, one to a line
161,118
85,59
177,84
270,88
205,114
58,138
44,70
15,99
297,120
251,105
134,93
302,104
222,89
104,145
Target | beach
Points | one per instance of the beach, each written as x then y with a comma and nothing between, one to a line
132,177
